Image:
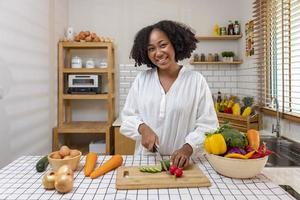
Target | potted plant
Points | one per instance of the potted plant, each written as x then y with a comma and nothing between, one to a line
230,54
227,56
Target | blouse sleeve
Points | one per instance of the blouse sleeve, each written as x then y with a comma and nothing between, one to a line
130,115
206,121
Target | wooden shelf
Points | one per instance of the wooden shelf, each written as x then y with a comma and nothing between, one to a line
90,45
65,103
221,37
217,63
84,127
86,96
85,70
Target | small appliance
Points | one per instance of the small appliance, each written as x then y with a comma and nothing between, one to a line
84,83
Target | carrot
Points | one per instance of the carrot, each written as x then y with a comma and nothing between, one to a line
90,163
253,138
114,162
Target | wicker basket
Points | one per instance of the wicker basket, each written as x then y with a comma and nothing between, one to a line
239,122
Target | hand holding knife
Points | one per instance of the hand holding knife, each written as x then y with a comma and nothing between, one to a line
156,149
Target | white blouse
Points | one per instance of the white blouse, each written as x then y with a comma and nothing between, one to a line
182,115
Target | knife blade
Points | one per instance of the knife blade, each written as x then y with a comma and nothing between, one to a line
156,149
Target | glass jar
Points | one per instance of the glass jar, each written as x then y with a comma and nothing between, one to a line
90,63
210,58
202,57
216,57
196,57
76,62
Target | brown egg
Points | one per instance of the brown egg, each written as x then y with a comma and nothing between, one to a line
96,39
64,151
77,38
56,155
88,39
93,35
74,153
67,157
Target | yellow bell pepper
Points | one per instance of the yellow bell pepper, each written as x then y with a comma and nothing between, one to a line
247,112
240,156
236,109
215,144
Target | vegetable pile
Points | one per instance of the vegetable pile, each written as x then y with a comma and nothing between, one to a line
231,143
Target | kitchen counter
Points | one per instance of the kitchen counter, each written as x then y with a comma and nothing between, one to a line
284,176
19,180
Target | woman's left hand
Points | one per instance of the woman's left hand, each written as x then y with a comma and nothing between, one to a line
180,158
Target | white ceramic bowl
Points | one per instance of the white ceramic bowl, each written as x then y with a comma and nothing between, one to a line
57,163
237,168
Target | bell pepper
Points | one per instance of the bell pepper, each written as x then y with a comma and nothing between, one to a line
215,144
253,138
261,152
240,156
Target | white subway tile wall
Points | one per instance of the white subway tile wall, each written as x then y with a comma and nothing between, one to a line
219,78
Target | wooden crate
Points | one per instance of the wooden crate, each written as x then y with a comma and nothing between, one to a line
239,122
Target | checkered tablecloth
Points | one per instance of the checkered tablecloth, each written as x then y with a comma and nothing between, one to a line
19,180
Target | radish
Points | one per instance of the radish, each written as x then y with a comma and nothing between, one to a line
172,169
178,172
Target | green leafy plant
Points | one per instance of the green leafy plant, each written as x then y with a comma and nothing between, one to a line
227,54
230,54
224,54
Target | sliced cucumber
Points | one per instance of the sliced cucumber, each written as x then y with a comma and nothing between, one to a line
150,169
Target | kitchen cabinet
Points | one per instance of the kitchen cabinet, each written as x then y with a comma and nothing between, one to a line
65,124
219,39
123,144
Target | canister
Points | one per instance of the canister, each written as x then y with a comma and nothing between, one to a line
76,62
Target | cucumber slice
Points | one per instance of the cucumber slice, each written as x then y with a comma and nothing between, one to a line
157,169
150,169
143,169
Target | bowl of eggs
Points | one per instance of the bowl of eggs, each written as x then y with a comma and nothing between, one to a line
65,156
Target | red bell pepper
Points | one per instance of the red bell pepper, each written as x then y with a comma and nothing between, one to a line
261,152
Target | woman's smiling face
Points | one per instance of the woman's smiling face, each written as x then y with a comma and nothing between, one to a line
160,50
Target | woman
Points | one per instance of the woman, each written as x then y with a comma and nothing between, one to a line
167,105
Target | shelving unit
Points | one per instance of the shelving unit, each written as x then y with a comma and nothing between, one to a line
65,123
221,37
217,38
217,63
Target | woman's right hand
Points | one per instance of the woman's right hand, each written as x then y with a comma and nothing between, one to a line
149,138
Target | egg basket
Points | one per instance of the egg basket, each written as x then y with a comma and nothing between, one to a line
73,162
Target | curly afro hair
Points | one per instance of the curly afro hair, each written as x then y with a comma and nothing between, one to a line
181,36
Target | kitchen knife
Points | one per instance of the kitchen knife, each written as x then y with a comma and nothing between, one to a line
156,149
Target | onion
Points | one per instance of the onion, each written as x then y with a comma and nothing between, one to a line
64,183
236,150
65,170
48,180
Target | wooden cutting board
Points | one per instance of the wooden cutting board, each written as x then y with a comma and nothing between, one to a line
131,178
